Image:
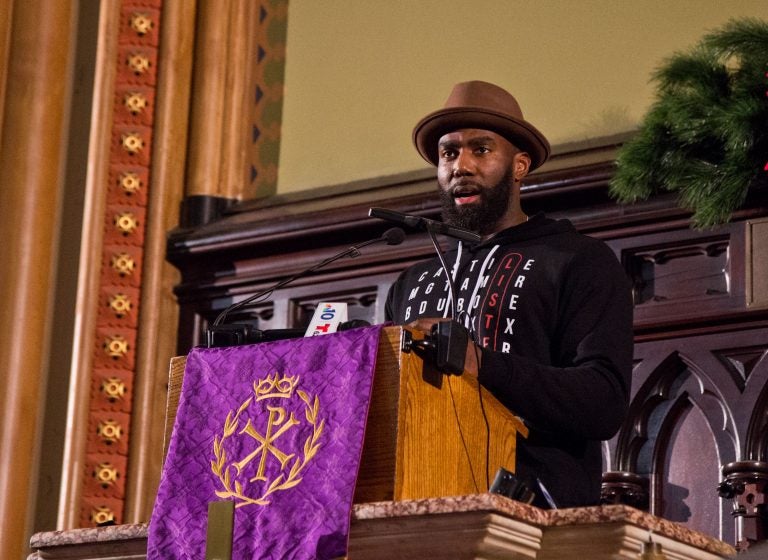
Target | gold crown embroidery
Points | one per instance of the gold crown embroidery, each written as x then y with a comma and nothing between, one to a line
273,387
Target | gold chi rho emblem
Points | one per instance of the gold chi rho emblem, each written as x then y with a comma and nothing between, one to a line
249,479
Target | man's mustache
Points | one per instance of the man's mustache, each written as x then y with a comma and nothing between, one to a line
465,188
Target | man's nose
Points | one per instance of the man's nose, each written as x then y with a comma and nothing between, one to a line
464,164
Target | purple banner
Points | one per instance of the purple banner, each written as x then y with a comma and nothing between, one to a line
277,428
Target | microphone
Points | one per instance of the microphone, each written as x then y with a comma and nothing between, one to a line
240,333
393,236
417,222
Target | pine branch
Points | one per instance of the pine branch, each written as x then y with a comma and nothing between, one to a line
706,136
744,37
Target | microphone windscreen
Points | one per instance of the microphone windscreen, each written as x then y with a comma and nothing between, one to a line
394,236
353,324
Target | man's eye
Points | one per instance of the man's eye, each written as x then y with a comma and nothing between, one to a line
448,154
482,150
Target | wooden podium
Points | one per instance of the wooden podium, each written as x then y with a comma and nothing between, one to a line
426,433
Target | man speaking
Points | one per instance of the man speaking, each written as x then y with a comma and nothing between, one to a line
549,310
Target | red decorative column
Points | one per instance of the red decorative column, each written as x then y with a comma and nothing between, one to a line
124,223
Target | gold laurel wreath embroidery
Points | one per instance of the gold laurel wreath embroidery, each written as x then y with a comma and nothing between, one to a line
220,467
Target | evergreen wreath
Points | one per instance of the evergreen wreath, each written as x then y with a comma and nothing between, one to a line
706,136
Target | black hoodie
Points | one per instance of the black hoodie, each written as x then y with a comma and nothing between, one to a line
552,310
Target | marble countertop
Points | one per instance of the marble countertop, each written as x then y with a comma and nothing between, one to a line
111,533
447,505
545,518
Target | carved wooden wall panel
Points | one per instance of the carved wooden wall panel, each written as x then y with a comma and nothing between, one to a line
698,403
684,275
757,273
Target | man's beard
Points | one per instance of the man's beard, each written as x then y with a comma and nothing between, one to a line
481,216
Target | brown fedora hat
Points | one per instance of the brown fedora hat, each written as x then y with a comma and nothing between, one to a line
485,106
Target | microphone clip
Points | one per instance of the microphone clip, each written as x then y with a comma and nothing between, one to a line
445,346
233,334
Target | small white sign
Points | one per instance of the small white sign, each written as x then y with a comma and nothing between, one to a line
327,318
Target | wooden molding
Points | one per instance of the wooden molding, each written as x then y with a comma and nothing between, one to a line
110,285
235,123
6,20
227,88
35,40
757,263
209,96
89,267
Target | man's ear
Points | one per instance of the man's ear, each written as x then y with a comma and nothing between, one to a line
520,165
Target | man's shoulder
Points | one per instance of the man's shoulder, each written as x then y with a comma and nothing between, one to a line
562,233
554,235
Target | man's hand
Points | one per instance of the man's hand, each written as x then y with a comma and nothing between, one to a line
424,325
473,356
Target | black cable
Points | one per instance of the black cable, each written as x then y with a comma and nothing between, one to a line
463,441
485,419
445,268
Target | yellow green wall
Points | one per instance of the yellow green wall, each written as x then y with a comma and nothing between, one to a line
361,73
